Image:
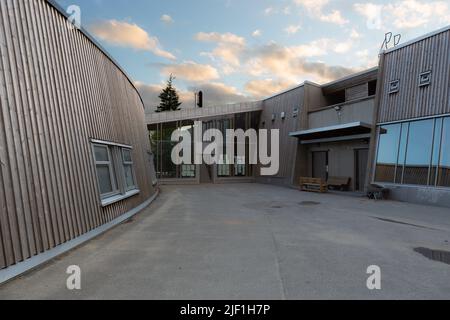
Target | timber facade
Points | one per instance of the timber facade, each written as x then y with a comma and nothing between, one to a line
74,148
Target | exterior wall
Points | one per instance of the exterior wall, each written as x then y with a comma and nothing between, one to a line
58,90
360,110
406,64
341,158
285,102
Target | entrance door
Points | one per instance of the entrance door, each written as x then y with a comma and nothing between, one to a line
320,165
361,161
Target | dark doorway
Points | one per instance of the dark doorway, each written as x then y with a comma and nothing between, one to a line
320,165
206,174
361,162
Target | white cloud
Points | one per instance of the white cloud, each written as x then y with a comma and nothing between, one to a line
257,33
404,14
191,71
228,48
130,35
266,87
292,29
167,19
315,8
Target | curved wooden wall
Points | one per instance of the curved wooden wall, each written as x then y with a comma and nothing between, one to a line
58,90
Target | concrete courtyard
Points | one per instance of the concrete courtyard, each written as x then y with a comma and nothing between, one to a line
252,241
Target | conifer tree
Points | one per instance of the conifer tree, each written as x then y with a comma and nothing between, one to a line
170,100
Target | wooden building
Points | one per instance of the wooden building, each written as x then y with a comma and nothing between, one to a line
75,158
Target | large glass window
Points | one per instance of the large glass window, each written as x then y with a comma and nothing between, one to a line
444,168
418,154
387,153
415,152
127,161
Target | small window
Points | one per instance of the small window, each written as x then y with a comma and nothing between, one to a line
105,171
130,181
115,171
394,86
425,79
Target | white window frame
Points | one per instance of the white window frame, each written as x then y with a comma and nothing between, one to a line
110,165
128,163
116,165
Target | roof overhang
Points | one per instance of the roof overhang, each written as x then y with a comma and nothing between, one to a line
348,131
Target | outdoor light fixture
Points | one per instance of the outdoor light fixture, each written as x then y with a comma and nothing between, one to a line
394,86
425,79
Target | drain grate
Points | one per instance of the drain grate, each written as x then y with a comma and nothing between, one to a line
435,255
309,203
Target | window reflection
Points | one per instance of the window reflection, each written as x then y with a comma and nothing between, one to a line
444,169
387,153
418,154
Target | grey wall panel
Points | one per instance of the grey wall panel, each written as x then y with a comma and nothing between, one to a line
58,90
406,64
359,111
285,102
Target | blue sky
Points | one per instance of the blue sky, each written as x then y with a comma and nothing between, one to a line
236,50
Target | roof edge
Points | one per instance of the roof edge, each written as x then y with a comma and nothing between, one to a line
63,12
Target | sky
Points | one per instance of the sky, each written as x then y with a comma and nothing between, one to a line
241,50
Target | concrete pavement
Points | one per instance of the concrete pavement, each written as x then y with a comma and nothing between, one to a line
252,241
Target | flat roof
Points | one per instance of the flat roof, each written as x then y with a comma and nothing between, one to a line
340,130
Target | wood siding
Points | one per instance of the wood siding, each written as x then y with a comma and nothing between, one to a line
285,102
406,64
58,90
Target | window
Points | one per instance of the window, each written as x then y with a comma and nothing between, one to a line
115,171
418,154
444,164
415,153
105,171
127,162
387,153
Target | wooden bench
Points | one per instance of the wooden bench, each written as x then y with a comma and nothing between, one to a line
341,183
313,185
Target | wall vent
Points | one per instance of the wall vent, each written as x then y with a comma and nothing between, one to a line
394,86
425,79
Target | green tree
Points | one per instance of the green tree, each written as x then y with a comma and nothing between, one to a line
170,100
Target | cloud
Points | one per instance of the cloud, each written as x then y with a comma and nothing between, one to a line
129,35
263,88
190,71
315,9
228,48
167,19
404,14
292,29
256,33
293,63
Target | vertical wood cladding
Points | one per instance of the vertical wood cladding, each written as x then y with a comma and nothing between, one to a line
285,102
406,64
58,90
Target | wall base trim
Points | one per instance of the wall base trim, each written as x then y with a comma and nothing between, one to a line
20,268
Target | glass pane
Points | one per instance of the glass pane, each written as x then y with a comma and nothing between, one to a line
129,180
444,169
188,171
104,179
101,153
402,153
126,155
418,155
387,153
436,151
